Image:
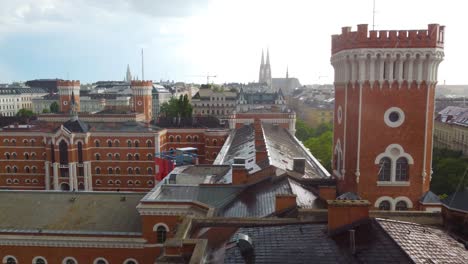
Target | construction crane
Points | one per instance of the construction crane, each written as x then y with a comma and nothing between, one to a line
208,76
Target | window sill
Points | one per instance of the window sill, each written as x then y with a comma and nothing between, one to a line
394,183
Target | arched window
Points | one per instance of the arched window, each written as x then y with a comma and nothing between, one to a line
10,260
214,154
14,155
171,139
98,156
27,181
80,186
401,206
100,261
149,170
189,139
117,156
39,260
116,143
161,234
195,139
149,157
385,165
98,170
149,144
109,143
13,142
69,260
8,181
137,182
63,148
7,156
109,156
15,169
110,171
215,142
35,181
110,182
80,152
129,143
27,170
34,169
130,261
137,143
137,156
130,170
384,205
130,182
26,156
96,143
33,142
98,182
401,173
129,156
150,183
25,142
117,182
15,181
33,156
137,170
8,169
178,138
117,170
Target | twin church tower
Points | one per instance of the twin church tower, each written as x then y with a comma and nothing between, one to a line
265,70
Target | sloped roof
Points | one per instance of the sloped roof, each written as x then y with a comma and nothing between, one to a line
69,211
77,126
430,198
457,200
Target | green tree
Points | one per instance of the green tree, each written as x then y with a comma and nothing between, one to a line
45,110
321,148
303,131
54,107
448,171
177,107
25,113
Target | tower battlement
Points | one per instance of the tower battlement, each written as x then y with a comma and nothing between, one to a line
432,37
142,83
68,83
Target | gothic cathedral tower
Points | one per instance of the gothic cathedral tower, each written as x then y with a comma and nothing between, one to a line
384,104
265,70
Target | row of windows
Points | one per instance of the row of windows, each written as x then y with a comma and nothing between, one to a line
400,206
136,170
67,260
26,155
12,142
187,138
129,182
218,112
27,181
116,156
401,169
27,169
116,143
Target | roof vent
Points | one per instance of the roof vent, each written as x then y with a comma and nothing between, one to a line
245,245
299,165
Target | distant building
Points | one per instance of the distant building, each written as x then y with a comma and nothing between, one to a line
261,99
209,102
12,99
265,70
160,96
50,85
451,129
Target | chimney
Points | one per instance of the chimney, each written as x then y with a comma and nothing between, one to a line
239,172
261,154
299,165
345,214
327,192
259,138
285,201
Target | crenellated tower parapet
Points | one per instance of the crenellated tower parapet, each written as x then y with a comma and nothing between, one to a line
404,58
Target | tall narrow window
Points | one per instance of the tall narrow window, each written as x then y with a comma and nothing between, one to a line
384,169
52,152
63,147
401,173
80,152
161,234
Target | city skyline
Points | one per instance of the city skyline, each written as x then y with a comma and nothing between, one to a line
184,40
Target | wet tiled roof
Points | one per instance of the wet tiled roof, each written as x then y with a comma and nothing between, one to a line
122,127
258,200
70,211
242,145
283,148
425,244
309,243
77,126
430,198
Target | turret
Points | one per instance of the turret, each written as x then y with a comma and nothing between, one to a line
142,100
68,91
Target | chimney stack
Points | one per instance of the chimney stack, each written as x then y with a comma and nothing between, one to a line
327,192
345,214
239,172
285,201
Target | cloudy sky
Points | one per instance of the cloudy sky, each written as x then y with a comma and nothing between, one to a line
184,39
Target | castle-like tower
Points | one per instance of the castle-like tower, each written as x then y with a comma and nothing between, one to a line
142,100
384,104
265,70
69,91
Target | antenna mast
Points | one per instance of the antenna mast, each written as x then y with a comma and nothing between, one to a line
142,66
373,16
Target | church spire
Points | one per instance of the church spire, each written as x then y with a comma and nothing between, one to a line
129,74
287,72
262,63
268,57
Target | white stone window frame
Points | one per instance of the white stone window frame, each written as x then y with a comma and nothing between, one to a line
339,153
35,259
394,201
397,123
155,229
339,114
394,152
100,258
64,261
4,261
130,259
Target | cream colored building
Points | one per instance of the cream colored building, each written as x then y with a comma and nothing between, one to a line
451,129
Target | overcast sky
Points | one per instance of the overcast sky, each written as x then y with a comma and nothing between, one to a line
183,39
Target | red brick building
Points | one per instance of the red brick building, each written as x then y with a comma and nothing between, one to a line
384,105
